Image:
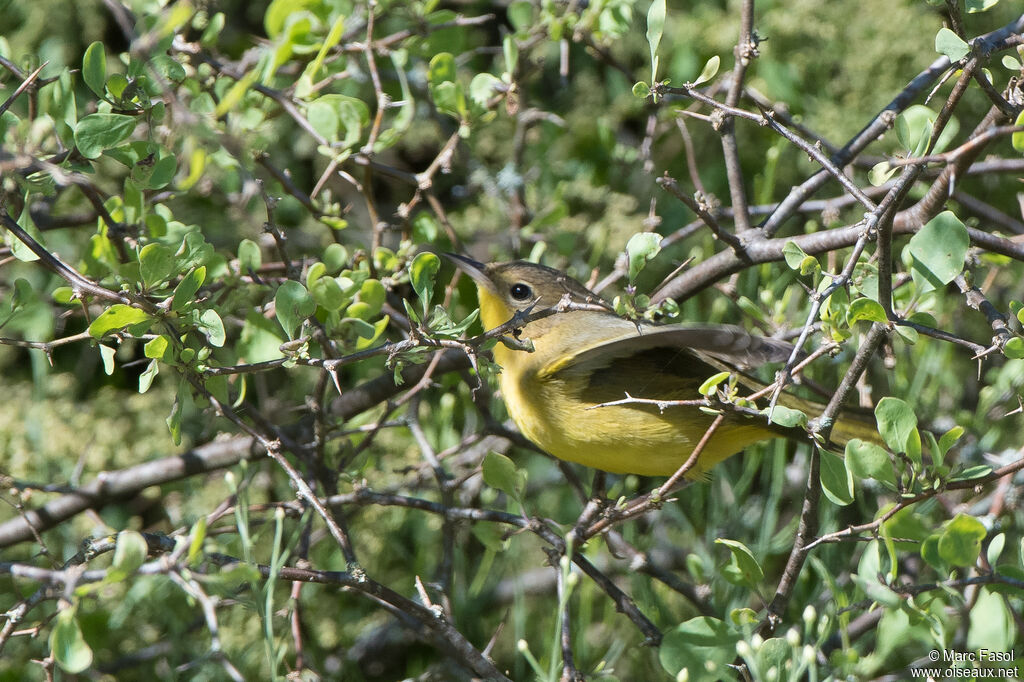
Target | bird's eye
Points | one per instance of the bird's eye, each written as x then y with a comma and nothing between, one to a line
521,291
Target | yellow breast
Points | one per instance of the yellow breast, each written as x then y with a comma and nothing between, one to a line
562,416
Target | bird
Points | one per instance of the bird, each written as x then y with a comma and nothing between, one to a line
593,389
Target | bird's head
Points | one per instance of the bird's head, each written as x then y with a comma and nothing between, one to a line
504,289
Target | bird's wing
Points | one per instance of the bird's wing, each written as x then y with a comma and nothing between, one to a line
731,345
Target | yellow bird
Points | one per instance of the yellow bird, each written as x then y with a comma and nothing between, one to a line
583,359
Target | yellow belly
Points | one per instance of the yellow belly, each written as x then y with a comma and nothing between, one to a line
560,417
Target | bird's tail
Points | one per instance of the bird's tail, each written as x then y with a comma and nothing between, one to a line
851,423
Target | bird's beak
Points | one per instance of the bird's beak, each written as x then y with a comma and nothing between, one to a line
475,269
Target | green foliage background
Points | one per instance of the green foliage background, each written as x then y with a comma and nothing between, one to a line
549,159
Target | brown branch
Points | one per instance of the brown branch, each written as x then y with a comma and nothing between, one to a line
745,51
969,484
439,630
111,486
736,243
78,282
809,513
25,85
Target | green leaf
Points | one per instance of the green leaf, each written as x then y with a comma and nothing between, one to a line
510,51
948,439
168,67
373,294
1014,348
908,334
328,294
156,264
335,257
442,69
260,339
914,130
173,420
867,460
229,102
930,552
197,537
94,68
788,417
939,249
148,375
213,30
1017,138
422,273
774,654
709,70
906,523
129,553
641,90
867,578
353,115
483,87
711,383
364,313
992,629
333,222
960,542
979,5
913,449
117,316
743,570
878,591
836,479
332,39
21,295
323,116
976,471
1017,308
703,646
217,385
880,173
425,228
67,644
336,112
293,305
491,536
97,132
157,348
501,473
750,308
995,549
641,247
367,340
20,249
655,29
896,421
185,292
275,19
793,254
249,257
61,295
197,164
865,309
449,99
520,15
107,355
313,275
951,45
116,85
212,327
